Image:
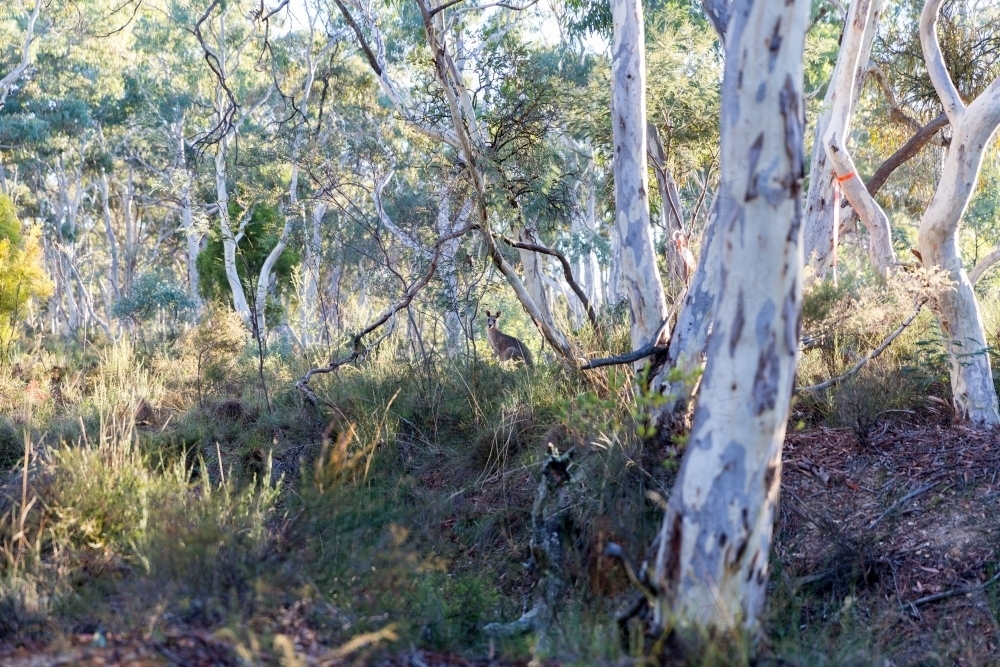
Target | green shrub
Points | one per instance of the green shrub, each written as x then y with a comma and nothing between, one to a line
22,273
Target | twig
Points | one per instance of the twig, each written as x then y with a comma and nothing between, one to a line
868,357
944,595
902,501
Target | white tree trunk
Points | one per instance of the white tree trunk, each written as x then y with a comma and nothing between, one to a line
532,272
636,254
671,212
110,234
229,239
819,234
264,279
310,309
8,80
192,240
678,377
973,127
711,567
448,271
836,136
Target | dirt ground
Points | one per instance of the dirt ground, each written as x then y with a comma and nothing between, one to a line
903,527
907,525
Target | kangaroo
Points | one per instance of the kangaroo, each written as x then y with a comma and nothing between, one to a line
504,346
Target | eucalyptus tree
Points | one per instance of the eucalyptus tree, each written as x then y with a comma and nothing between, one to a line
973,127
13,17
822,226
456,121
711,565
647,300
230,41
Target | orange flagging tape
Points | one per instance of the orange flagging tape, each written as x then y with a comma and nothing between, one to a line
847,177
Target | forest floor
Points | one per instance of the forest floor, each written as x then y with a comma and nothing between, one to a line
897,526
905,526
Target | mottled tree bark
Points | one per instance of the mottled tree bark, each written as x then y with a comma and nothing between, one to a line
636,253
973,127
711,566
880,252
820,234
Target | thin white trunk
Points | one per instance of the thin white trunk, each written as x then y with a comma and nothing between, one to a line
678,378
131,231
192,240
229,239
973,127
9,79
265,278
671,213
636,254
712,564
448,271
310,308
836,136
110,234
532,272
819,234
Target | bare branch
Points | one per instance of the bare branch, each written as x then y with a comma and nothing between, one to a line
358,348
648,350
567,273
896,111
7,82
905,153
984,265
369,54
503,5
868,357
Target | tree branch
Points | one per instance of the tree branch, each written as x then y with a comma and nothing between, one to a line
369,54
936,68
905,153
984,265
567,273
718,14
868,357
648,350
7,82
358,347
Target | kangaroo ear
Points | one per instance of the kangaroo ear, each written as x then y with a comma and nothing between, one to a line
498,314
488,314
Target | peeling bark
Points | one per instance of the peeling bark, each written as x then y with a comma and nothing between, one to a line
711,566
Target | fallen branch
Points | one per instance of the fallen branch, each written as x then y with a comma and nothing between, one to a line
358,347
648,350
902,501
868,357
944,595
567,273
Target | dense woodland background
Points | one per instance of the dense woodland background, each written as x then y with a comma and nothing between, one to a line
249,411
